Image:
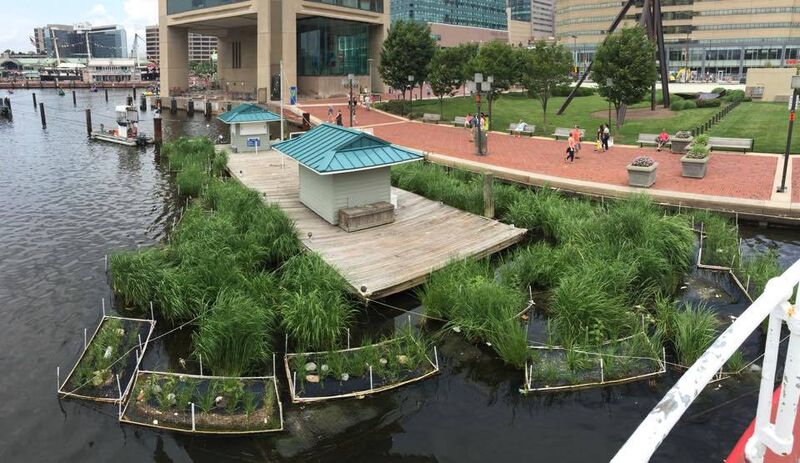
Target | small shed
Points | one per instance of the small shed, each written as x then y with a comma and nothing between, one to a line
250,126
345,174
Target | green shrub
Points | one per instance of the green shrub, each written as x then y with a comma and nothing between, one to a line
698,152
709,103
701,139
565,91
735,95
191,180
400,107
718,90
676,105
689,104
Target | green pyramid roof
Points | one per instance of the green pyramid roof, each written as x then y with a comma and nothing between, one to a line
248,113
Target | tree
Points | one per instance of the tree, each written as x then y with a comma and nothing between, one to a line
445,73
204,69
407,51
544,68
627,58
496,59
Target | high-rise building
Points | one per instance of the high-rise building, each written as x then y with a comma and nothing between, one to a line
317,42
70,41
201,47
531,18
456,21
704,38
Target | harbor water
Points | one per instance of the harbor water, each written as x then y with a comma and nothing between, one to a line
67,202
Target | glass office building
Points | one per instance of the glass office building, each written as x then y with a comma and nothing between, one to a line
329,47
489,14
104,42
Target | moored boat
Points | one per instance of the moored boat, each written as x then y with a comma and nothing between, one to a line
127,131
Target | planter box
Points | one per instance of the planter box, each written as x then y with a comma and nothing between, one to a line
679,145
642,176
694,168
367,216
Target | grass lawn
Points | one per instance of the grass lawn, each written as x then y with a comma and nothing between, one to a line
766,123
513,107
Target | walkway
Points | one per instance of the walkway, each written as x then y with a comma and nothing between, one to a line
425,236
744,183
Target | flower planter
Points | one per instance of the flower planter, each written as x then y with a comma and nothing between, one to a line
642,176
679,145
694,168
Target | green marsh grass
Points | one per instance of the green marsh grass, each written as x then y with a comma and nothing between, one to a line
135,275
694,329
315,320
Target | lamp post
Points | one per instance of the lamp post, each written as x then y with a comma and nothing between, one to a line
609,83
411,96
476,86
369,63
575,50
795,87
351,107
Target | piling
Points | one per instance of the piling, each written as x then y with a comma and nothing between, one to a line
74,99
134,92
208,110
106,95
8,103
88,122
157,128
41,113
190,108
129,100
488,195
143,103
34,99
173,105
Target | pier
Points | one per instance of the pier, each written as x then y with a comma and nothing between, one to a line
377,262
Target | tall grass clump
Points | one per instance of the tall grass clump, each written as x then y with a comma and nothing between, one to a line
235,336
316,320
456,188
135,275
185,152
721,240
758,269
694,329
191,180
539,266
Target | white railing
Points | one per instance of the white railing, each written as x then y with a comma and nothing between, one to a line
776,436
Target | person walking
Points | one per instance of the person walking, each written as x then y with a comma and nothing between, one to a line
339,118
330,113
576,136
606,136
570,149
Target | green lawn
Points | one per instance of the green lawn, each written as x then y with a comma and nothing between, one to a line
766,123
513,107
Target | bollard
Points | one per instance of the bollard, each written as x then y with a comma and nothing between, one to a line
143,103
89,133
106,95
34,100
193,422
85,344
58,379
74,99
173,105
41,113
190,108
157,128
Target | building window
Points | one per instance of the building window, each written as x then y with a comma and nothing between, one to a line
180,6
330,47
236,55
366,5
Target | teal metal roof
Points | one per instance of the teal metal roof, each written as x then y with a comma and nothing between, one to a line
248,113
331,149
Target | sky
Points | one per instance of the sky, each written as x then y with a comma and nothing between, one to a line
19,18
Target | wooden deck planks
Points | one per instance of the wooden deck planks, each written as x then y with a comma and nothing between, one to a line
425,236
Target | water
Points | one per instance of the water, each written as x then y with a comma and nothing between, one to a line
67,202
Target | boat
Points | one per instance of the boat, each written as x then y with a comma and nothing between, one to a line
60,91
127,131
93,88
10,92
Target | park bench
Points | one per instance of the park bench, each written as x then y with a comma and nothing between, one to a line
650,139
460,121
744,144
529,129
564,132
433,118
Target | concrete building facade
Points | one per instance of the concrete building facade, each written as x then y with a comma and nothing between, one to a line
714,40
201,47
319,42
70,41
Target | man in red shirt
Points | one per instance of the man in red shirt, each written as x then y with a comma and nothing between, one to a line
661,139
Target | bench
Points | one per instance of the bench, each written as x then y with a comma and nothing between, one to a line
650,139
744,144
564,132
460,121
433,118
366,216
528,130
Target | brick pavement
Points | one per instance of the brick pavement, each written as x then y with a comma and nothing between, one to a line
729,174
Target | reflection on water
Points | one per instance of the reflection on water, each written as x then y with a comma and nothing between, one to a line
67,202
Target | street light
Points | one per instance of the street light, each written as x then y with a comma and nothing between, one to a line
348,81
609,83
476,86
369,63
795,86
575,50
411,96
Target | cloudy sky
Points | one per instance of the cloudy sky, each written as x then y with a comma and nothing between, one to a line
19,18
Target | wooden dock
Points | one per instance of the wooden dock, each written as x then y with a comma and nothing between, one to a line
384,260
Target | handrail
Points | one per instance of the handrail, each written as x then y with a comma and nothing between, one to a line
773,302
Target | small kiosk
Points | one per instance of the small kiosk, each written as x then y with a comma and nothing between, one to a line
250,127
345,174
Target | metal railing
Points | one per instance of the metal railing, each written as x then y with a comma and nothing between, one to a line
776,436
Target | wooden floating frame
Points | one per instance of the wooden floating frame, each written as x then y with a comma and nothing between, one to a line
114,400
272,378
362,393
718,268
